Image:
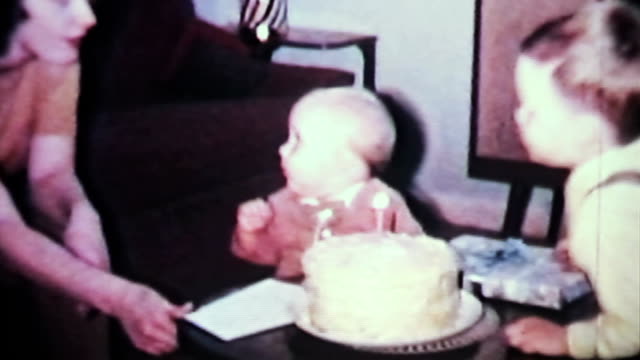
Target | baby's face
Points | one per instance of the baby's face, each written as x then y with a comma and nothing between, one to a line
556,130
316,153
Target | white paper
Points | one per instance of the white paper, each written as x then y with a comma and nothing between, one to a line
264,305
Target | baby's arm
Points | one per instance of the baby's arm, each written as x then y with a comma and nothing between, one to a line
250,240
404,221
290,264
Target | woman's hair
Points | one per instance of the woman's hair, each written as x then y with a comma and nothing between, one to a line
365,112
598,54
11,14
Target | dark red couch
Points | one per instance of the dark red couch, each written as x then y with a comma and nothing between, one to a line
177,126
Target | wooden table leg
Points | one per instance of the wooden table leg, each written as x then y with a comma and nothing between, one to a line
368,49
519,196
555,219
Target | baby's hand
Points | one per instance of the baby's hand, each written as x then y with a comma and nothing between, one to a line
254,215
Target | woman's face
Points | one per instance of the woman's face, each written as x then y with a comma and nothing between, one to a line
555,130
54,29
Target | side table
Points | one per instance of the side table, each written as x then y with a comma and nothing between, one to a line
327,40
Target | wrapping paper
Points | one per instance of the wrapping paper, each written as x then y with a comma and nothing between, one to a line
514,271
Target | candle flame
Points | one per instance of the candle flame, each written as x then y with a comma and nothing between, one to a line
380,201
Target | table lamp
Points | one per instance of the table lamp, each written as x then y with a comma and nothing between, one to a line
262,24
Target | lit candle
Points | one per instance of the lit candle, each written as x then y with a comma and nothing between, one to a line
380,203
323,217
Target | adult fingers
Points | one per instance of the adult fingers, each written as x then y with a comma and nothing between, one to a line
164,333
156,347
178,312
148,341
514,333
164,324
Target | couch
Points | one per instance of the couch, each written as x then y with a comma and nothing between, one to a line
177,126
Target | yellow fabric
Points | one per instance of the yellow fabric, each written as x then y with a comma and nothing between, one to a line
37,98
604,241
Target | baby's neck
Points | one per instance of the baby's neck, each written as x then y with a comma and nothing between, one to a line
346,194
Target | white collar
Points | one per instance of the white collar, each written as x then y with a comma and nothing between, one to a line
345,196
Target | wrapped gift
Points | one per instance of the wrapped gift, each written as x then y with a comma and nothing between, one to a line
514,271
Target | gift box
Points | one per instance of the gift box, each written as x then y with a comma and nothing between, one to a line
514,271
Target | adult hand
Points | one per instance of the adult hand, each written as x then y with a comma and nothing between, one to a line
536,335
149,319
561,253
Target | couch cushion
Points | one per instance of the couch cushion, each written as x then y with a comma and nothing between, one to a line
131,50
146,158
182,249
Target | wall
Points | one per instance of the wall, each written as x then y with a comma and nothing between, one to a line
425,60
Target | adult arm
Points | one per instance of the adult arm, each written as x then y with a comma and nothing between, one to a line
61,201
605,242
145,315
62,208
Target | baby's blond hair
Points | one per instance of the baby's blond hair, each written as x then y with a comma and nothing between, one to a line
367,115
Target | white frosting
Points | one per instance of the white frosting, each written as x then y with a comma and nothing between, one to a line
381,286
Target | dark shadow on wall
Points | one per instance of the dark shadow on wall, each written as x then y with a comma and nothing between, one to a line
407,157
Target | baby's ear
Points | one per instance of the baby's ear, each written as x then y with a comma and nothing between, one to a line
624,27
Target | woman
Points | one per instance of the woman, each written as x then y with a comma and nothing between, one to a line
580,76
65,249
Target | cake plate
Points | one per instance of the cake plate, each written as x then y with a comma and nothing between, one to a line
473,323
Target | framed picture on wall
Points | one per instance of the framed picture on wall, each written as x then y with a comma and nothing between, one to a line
495,150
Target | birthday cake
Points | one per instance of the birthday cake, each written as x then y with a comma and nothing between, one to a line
381,287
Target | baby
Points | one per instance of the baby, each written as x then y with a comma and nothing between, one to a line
339,139
579,76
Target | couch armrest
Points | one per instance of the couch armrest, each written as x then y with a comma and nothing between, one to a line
294,80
